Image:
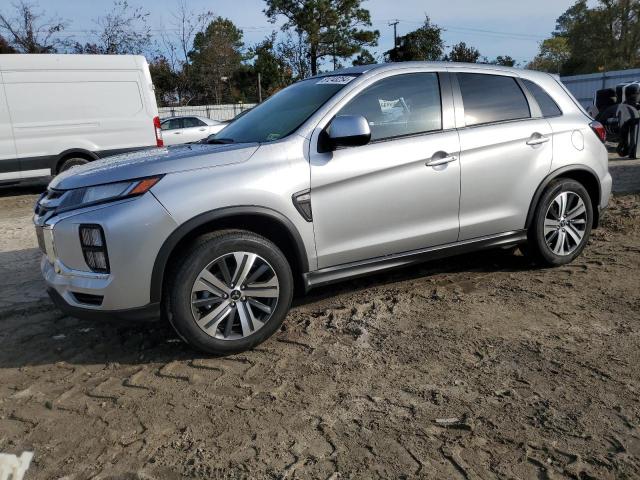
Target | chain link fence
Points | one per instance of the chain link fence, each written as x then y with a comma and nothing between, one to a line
214,112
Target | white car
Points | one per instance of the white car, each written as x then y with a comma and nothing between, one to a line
176,130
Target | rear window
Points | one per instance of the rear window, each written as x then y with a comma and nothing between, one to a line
491,98
548,107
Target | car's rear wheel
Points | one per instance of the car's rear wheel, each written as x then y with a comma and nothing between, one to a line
231,291
562,223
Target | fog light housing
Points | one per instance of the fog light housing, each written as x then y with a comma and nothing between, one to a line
94,248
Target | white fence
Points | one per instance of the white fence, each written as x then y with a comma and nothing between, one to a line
584,87
214,112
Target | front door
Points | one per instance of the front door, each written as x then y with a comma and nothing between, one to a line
382,198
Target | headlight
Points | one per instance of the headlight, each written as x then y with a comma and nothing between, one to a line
86,196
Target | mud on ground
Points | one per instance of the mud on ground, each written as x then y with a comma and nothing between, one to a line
476,367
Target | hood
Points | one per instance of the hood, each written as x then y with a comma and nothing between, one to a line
154,161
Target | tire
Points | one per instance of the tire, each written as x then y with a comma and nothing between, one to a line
195,303
72,162
566,235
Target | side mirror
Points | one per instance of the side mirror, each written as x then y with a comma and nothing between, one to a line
349,131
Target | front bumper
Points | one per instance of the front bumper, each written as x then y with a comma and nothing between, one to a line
146,313
134,230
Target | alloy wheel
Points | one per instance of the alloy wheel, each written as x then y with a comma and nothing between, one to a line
234,296
565,223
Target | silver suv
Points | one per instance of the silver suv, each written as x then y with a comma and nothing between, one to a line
339,175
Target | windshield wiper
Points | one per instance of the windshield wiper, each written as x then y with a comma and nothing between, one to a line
217,141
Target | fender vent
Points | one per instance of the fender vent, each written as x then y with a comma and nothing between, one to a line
302,202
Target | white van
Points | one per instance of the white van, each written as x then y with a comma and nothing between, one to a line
57,111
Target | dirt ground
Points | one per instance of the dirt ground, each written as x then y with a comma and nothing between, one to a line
476,367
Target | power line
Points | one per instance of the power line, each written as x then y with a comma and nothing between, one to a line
480,31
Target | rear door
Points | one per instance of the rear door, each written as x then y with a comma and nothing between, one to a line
505,152
383,198
9,164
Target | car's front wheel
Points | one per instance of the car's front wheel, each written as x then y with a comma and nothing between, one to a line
562,223
229,292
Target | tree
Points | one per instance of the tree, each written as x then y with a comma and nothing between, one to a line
164,80
5,47
124,30
335,28
216,55
294,52
425,43
460,52
273,70
177,41
504,60
364,58
554,52
28,31
589,39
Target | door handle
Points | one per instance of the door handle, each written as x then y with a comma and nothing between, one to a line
177,133
202,129
434,162
537,140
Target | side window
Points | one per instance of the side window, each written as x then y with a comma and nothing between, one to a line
548,107
191,122
491,98
172,124
400,105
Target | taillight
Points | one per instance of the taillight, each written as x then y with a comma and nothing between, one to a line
158,129
599,130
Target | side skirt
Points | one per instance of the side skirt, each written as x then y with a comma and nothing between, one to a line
338,273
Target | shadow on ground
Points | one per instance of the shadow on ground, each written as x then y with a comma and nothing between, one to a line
40,334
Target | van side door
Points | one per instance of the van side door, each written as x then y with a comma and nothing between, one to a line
9,164
505,152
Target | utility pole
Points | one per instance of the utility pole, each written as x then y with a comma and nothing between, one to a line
394,24
259,88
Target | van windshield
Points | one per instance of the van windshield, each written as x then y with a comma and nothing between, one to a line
283,113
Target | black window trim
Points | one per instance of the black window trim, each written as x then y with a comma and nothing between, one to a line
457,95
441,92
533,98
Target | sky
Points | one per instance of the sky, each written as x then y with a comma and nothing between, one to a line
494,27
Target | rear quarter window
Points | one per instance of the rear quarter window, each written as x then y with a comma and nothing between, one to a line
548,107
491,98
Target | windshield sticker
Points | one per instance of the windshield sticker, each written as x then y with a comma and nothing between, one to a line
335,80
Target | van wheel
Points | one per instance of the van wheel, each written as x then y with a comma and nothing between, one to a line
562,223
72,162
231,291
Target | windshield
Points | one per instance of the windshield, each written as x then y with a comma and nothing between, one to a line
283,113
